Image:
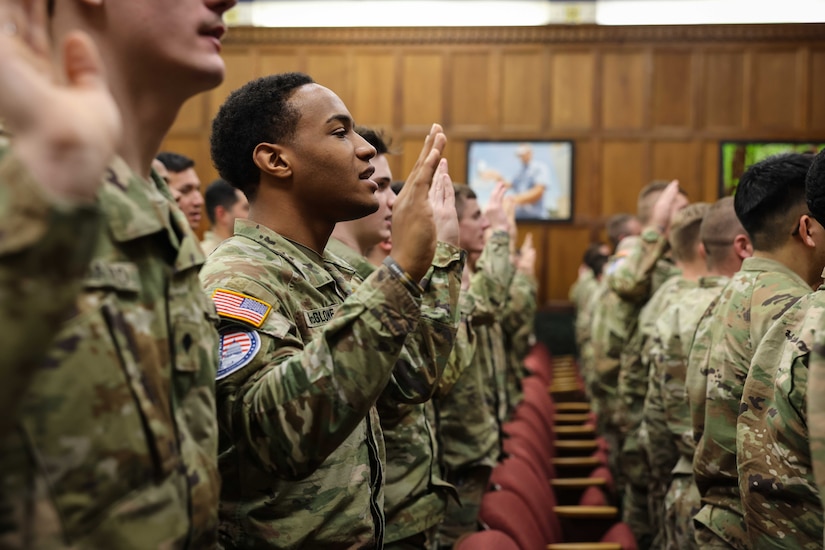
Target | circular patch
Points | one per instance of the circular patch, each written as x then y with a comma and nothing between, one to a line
237,349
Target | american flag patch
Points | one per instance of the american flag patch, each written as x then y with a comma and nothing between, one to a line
235,305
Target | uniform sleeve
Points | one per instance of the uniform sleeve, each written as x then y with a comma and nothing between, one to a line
45,248
518,319
662,453
816,406
494,270
631,275
296,401
422,361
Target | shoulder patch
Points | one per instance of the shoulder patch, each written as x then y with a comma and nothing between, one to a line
241,307
237,350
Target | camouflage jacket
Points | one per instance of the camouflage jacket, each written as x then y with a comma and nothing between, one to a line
306,350
468,415
37,291
723,347
638,272
634,367
779,495
583,287
666,412
635,272
518,324
414,492
121,411
816,404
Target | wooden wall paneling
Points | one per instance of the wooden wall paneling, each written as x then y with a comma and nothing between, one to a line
563,252
585,178
472,83
710,170
192,117
572,88
241,67
332,68
623,84
280,61
817,91
456,155
679,160
724,89
372,103
422,97
775,89
672,89
523,104
623,174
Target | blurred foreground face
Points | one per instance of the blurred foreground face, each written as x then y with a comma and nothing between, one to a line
472,226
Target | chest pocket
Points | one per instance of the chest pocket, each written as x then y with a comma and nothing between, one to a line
97,413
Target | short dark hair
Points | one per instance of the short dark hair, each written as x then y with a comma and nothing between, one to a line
616,228
594,258
175,162
770,196
257,112
463,193
375,138
684,233
219,193
815,187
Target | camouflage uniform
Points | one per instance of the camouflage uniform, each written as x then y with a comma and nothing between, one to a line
718,363
518,321
816,404
306,352
121,412
468,422
583,288
633,381
780,498
415,495
635,274
37,291
672,491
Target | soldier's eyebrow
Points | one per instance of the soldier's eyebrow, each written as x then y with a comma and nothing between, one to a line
343,119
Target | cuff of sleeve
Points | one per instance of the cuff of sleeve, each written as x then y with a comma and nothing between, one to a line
412,286
445,254
653,233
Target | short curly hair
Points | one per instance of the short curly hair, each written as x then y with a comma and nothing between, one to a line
258,112
815,187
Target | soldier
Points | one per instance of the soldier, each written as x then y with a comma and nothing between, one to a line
116,436
306,346
781,502
770,204
673,494
224,205
683,238
64,137
184,180
415,494
468,415
637,270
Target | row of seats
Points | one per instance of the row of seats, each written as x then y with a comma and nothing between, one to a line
552,490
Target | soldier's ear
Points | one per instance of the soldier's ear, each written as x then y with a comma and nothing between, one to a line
272,159
806,224
742,245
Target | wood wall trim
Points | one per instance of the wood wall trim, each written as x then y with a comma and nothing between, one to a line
556,34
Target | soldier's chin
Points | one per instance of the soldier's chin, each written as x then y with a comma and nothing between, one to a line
358,211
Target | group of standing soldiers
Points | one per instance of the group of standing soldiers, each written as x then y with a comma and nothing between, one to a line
701,339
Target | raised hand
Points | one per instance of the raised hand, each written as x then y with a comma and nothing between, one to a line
413,222
442,200
495,212
64,123
527,257
668,203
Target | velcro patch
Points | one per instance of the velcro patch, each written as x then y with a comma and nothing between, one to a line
237,350
318,317
241,307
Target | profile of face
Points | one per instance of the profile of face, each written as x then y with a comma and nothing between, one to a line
472,227
180,39
190,201
329,162
377,227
